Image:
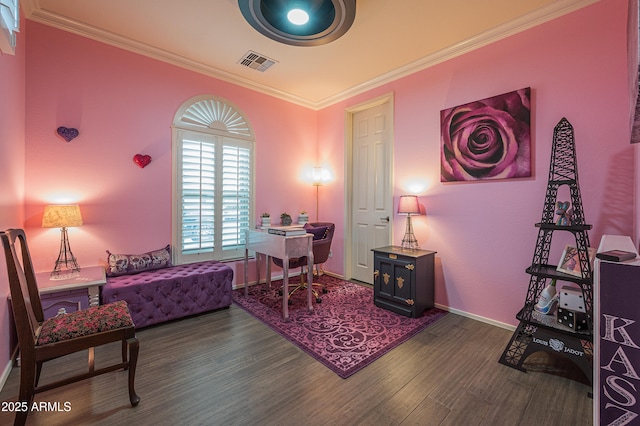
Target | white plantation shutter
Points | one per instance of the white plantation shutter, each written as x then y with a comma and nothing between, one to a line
213,181
9,25
215,196
198,195
236,195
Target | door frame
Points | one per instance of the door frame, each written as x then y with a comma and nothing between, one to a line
348,172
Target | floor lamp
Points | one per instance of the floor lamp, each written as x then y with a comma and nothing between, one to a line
319,176
63,216
409,205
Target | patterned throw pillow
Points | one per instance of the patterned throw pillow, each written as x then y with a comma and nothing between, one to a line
123,264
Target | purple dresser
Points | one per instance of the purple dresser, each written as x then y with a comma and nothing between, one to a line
617,337
170,293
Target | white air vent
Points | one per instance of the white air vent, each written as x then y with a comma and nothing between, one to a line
256,61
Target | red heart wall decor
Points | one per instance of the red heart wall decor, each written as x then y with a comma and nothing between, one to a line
142,160
67,133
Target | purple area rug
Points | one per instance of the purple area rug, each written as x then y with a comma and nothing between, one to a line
346,332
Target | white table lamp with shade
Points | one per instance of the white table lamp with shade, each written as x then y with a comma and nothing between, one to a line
409,205
63,217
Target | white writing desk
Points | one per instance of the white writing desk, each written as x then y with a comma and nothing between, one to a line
285,248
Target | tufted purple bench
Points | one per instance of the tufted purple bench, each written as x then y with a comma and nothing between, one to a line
173,292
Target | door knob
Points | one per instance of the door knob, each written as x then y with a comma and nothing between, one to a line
384,219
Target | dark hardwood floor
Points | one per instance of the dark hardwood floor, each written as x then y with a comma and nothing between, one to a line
227,368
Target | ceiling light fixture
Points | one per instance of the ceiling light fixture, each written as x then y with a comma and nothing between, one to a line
326,20
298,16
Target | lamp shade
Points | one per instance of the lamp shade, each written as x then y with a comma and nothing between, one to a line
319,176
61,216
409,204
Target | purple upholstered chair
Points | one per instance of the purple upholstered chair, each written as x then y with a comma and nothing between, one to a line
322,237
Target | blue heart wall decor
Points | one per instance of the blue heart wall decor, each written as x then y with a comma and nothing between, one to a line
68,133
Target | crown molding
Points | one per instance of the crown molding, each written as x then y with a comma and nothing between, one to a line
525,22
33,12
75,27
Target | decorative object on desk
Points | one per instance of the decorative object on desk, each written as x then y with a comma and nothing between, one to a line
63,217
487,139
564,213
68,134
142,161
346,332
265,220
409,205
616,255
285,219
548,299
303,217
570,262
319,176
287,231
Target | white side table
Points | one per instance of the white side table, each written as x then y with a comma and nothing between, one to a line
57,293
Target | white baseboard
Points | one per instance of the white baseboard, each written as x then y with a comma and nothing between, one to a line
5,374
458,312
477,317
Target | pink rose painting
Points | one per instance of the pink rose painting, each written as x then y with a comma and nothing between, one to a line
487,139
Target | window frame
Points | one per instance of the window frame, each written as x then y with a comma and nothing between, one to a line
212,131
9,24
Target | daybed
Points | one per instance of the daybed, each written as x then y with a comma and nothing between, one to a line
162,292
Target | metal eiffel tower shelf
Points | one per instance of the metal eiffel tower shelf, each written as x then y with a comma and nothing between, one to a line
538,332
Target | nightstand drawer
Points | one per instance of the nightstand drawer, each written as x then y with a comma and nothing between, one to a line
64,302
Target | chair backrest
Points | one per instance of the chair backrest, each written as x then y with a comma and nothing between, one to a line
322,247
25,299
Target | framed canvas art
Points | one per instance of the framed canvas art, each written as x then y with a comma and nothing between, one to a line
487,139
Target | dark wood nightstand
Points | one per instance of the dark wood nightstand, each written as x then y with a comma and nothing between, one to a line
403,280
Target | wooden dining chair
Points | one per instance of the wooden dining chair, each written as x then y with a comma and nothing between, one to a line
42,340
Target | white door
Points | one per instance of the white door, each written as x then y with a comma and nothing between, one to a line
371,186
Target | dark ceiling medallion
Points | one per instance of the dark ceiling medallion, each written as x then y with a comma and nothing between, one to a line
328,20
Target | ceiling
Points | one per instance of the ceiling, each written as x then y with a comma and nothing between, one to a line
388,39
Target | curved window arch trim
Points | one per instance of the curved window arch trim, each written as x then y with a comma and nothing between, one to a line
213,114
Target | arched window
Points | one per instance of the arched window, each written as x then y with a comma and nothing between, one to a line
212,151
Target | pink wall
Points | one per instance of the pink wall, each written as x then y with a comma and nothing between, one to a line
484,232
123,104
12,147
